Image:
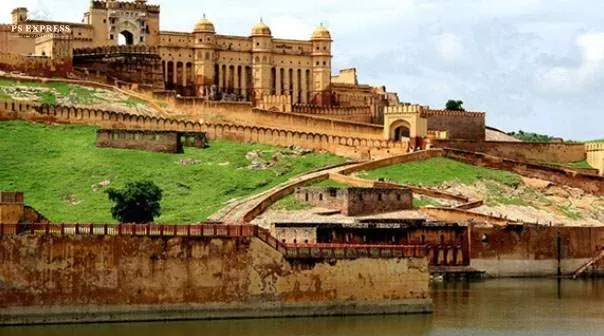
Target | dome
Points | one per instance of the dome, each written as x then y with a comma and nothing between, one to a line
204,26
260,29
321,33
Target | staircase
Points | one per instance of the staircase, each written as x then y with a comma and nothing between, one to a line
589,264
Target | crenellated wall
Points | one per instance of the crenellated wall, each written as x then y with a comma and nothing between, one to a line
356,147
35,66
595,155
457,124
361,114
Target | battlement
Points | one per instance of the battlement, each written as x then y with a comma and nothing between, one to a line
122,49
594,147
125,5
276,99
448,113
405,108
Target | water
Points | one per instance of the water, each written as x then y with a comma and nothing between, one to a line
495,307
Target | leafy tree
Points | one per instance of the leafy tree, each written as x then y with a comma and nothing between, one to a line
531,137
454,105
137,202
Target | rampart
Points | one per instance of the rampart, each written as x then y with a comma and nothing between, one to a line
524,151
457,124
588,182
595,155
35,66
58,278
361,114
355,147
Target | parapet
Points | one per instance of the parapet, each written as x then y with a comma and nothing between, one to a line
122,49
449,113
405,108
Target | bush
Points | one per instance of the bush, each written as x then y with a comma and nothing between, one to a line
138,202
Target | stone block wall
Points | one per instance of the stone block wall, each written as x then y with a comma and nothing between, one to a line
156,141
457,124
595,156
354,146
11,207
83,278
357,201
34,65
525,151
362,114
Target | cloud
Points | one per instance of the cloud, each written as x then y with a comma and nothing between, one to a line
588,73
450,47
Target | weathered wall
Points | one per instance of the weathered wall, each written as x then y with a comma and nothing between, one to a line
354,146
361,114
589,182
595,156
11,207
35,66
458,124
98,278
157,141
524,151
533,250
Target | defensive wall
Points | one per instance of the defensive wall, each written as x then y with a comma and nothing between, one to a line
148,272
591,183
34,65
522,151
533,250
457,124
349,146
157,141
595,155
361,114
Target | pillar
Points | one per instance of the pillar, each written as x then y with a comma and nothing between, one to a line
296,87
236,79
286,81
244,81
278,81
304,83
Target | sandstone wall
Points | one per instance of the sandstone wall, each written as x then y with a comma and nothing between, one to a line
81,278
595,156
524,151
35,66
458,124
360,114
533,250
353,146
591,183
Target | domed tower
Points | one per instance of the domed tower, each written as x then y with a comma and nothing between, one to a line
262,47
205,49
321,65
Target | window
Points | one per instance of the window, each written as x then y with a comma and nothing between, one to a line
111,37
380,197
332,192
141,39
320,197
306,197
398,197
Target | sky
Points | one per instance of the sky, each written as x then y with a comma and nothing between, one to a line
532,65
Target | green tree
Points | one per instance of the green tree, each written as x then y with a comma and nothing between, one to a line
454,105
137,202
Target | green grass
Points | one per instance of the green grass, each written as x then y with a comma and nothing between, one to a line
578,164
133,102
47,98
435,171
570,213
330,184
4,96
56,165
420,202
289,203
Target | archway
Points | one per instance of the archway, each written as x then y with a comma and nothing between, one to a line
125,38
399,130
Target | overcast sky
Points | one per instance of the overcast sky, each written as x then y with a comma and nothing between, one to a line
535,65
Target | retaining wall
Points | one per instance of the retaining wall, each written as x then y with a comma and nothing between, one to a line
58,279
595,155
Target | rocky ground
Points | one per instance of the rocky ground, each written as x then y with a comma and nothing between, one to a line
534,201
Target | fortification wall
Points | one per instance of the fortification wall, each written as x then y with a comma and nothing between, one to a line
361,114
533,250
524,151
588,182
53,279
458,124
595,156
35,66
355,147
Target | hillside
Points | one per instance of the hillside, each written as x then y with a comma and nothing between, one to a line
73,95
504,193
63,174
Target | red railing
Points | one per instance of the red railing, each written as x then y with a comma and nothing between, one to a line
290,251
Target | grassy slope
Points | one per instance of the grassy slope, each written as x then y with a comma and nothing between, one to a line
57,162
436,171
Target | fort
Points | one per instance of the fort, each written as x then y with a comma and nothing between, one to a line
365,248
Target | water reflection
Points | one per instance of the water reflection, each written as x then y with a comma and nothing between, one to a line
494,307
